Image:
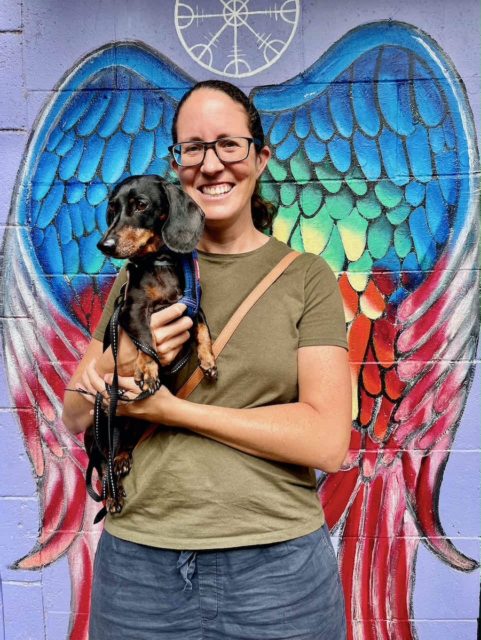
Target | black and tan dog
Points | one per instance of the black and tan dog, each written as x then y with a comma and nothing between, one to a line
147,215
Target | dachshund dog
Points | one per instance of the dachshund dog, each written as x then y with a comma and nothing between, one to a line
150,222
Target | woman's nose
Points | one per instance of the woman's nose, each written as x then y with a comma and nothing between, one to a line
211,163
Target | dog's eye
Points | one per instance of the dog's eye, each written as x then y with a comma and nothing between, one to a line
141,205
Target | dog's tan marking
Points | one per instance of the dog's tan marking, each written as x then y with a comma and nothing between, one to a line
205,353
146,373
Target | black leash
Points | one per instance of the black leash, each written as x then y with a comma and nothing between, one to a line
105,430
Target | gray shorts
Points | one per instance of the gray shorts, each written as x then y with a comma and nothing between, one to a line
289,590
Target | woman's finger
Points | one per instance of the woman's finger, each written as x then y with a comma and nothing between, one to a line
163,317
173,344
173,329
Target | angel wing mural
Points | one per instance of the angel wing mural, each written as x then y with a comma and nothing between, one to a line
374,158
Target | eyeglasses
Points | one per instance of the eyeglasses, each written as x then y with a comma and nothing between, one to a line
191,154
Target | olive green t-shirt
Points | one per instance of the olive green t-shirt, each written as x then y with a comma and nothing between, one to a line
187,491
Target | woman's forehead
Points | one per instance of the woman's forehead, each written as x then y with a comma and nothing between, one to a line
209,110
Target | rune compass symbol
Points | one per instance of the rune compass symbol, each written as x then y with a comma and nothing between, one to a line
236,38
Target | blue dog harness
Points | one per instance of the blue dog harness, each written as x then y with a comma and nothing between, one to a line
192,291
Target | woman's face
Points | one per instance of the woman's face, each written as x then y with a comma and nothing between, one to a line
223,191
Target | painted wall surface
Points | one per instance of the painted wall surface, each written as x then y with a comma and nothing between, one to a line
375,167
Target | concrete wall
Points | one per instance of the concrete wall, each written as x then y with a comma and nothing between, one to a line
405,510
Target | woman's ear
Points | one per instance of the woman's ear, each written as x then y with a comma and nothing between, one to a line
262,158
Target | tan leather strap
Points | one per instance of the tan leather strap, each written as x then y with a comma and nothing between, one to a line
236,318
223,338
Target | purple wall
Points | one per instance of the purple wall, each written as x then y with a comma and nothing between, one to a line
42,40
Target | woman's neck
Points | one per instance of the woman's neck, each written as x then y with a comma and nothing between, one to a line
231,241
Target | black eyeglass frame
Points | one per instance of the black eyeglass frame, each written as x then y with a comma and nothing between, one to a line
211,145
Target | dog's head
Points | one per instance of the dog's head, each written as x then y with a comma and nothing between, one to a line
146,212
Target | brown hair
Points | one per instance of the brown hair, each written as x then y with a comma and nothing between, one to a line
263,212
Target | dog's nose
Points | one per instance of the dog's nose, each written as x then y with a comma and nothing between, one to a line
107,245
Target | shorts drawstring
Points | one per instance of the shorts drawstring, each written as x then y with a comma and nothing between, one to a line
186,564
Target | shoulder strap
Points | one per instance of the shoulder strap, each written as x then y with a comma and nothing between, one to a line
232,324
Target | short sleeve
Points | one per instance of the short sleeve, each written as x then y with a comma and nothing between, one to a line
323,321
110,304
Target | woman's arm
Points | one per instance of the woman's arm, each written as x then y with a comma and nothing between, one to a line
313,432
170,330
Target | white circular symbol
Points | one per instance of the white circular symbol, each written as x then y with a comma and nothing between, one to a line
236,38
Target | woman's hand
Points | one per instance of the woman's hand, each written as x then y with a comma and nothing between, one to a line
156,408
171,331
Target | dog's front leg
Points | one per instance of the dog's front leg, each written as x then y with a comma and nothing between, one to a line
137,324
203,342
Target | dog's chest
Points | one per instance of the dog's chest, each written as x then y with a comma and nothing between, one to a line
155,286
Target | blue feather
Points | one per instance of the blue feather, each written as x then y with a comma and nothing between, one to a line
281,128
419,154
394,65
79,104
367,155
363,93
394,157
340,105
414,193
96,193
101,216
390,262
437,212
93,115
76,218
91,259
410,263
74,191
71,257
159,167
50,253
55,137
70,161
64,225
393,90
135,113
88,217
302,123
153,111
315,149
287,148
449,134
422,238
161,144
437,139
321,118
114,115
428,98
447,166
66,143
267,121
50,205
340,153
397,297
91,157
115,157
44,175
142,152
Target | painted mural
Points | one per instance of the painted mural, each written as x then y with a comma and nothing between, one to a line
374,168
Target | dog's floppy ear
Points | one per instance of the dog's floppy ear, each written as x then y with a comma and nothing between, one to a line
183,228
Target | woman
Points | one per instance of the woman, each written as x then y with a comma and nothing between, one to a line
222,534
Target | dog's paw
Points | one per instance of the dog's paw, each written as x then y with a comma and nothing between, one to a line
210,372
122,464
115,505
146,374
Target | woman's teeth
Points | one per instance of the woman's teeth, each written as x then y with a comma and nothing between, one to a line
216,190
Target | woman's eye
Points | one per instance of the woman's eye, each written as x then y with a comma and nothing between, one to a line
228,143
192,148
